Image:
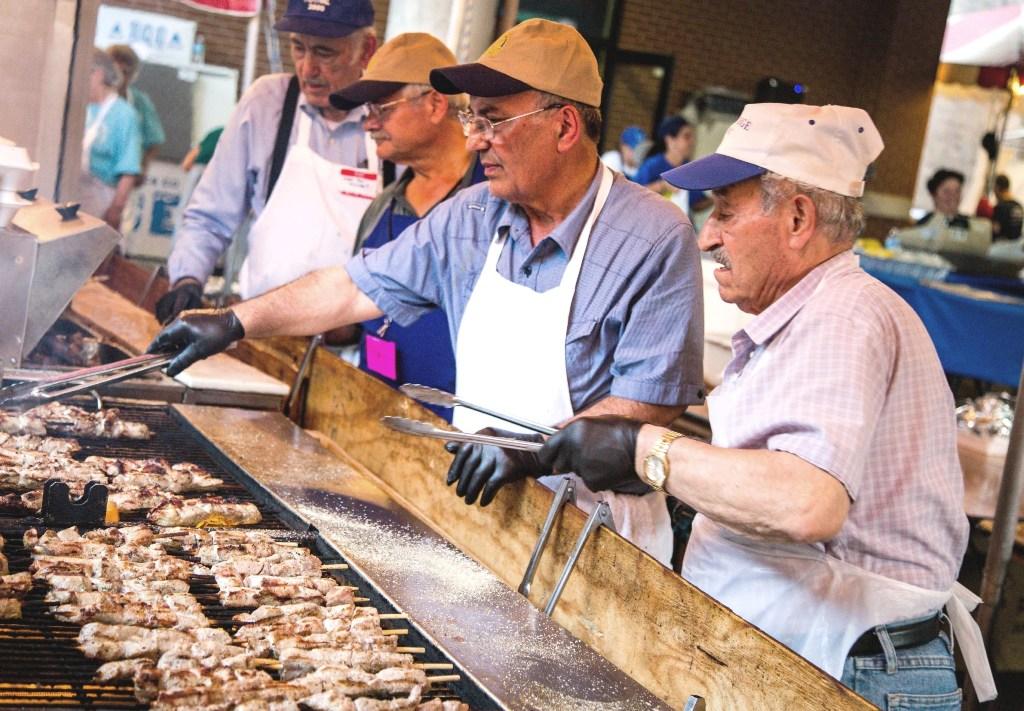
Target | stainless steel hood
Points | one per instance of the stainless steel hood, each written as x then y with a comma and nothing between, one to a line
44,260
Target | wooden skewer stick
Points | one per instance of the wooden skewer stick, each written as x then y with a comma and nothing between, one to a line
360,599
286,544
410,650
334,566
394,632
266,662
392,616
445,679
433,665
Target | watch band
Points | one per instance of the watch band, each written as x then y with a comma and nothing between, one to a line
659,451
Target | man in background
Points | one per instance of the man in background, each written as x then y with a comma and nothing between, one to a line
1008,213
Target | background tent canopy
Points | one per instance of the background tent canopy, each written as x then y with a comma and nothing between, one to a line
238,8
986,38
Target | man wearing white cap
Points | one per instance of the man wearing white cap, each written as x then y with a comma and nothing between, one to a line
830,499
567,288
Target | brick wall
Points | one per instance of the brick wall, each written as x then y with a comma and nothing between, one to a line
225,35
880,55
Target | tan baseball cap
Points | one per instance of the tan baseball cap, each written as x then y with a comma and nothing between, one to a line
536,54
405,59
829,147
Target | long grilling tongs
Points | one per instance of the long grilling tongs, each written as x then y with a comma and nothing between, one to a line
29,394
440,398
425,429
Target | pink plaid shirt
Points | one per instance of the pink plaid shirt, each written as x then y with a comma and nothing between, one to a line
841,373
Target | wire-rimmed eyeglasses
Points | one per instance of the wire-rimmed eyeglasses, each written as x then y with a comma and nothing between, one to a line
379,112
473,125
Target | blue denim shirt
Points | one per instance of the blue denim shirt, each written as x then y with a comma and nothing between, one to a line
636,328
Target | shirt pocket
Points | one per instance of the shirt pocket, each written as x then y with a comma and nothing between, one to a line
581,343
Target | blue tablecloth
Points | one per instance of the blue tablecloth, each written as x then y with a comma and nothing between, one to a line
978,338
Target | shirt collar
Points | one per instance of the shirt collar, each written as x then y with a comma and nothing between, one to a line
514,220
353,116
772,319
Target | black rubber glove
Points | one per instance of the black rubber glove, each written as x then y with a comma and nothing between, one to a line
599,450
186,294
482,469
196,335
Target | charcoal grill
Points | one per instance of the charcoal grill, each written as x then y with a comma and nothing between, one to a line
40,664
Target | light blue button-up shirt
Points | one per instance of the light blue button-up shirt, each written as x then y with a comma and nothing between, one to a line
235,182
636,328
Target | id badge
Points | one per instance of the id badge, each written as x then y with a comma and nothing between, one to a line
382,356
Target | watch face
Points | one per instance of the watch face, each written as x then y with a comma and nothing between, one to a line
654,468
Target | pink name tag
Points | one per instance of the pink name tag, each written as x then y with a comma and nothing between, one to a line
382,356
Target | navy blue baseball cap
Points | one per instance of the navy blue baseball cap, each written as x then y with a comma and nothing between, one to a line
326,18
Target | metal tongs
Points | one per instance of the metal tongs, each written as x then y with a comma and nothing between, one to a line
440,398
424,429
28,394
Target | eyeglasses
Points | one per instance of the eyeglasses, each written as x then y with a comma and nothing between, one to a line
473,125
380,112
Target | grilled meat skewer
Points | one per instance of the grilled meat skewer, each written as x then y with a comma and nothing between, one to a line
209,510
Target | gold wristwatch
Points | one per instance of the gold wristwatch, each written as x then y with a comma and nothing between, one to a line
656,469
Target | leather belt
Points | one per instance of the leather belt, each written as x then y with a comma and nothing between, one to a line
902,634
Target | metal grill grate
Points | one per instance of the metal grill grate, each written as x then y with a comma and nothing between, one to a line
40,663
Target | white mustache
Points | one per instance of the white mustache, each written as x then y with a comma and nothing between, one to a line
718,254
316,83
379,136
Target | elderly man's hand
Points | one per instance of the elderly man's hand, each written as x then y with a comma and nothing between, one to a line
482,469
196,335
599,450
186,294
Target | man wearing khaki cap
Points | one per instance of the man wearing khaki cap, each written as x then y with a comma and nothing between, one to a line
830,500
568,289
416,126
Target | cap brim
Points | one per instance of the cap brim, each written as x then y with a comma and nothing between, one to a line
711,172
475,79
316,28
363,91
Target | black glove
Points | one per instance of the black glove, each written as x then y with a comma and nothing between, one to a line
186,294
196,335
483,468
599,450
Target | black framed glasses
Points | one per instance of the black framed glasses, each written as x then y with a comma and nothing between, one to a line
473,125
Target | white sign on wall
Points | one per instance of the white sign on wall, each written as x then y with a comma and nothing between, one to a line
160,39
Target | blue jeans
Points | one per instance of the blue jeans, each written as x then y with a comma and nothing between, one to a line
911,679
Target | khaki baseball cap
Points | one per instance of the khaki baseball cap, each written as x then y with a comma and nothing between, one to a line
829,147
405,59
536,54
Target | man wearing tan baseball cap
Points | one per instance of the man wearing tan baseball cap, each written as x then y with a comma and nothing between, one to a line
829,502
416,126
568,289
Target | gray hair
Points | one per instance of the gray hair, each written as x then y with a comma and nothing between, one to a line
105,63
591,115
456,102
840,217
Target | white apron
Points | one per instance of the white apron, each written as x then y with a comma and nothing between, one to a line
510,356
94,195
311,218
814,603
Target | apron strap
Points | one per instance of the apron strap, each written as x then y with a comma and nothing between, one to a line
284,132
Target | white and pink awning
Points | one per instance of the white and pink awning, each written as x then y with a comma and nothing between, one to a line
986,38
238,8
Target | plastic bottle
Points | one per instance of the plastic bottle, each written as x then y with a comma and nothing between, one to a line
199,50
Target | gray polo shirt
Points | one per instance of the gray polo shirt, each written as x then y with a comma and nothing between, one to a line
636,327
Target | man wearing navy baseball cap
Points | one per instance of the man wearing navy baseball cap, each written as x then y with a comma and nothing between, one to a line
829,502
303,170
